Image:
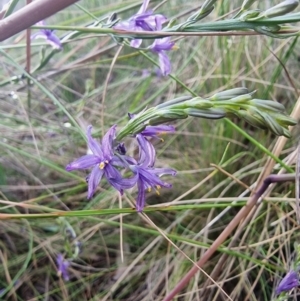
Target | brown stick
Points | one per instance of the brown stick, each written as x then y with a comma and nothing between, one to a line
30,15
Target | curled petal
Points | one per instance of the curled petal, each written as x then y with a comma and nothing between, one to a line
116,161
93,144
107,143
112,172
116,180
160,19
94,180
147,151
163,171
140,202
162,44
84,162
154,131
123,183
164,63
54,41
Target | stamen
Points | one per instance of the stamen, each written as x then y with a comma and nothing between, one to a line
102,164
157,189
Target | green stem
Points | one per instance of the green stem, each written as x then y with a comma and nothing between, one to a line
84,213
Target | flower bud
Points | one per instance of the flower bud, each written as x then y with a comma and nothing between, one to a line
173,102
228,94
268,105
199,103
249,14
251,118
281,9
208,5
247,3
212,113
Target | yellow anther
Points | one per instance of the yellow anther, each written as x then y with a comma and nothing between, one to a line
102,165
149,189
157,189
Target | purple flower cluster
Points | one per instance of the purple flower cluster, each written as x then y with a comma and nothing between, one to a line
107,159
145,20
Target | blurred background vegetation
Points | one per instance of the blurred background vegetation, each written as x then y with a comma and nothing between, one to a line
125,257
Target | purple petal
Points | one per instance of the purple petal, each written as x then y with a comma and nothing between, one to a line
41,23
163,171
121,184
115,179
54,41
107,143
140,202
164,63
149,21
84,162
162,44
147,151
143,7
63,266
112,172
116,161
160,20
94,180
128,25
48,35
288,282
153,131
94,146
136,43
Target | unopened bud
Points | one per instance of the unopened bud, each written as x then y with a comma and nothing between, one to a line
281,9
268,105
251,118
250,14
228,94
173,102
199,103
212,113
207,5
247,3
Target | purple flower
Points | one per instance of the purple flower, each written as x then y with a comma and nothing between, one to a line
148,178
48,35
146,149
288,282
62,266
142,21
102,160
154,130
160,46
